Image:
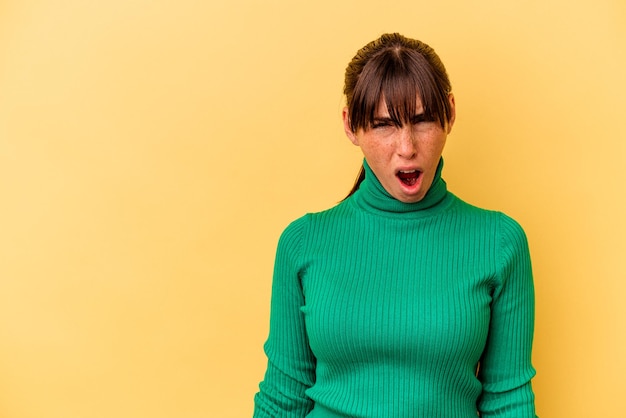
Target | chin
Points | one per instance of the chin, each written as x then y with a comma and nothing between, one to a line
410,199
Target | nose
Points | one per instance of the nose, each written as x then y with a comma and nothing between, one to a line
406,143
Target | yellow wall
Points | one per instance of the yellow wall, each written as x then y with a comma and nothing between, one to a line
151,152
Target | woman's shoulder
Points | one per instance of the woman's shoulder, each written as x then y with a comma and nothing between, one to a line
331,214
499,219
316,221
294,228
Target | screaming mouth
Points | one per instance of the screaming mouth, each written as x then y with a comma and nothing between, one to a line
408,177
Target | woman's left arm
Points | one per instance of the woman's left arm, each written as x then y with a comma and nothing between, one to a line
506,368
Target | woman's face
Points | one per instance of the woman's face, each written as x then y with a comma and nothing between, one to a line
403,158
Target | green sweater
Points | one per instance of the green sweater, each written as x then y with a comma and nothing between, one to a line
387,309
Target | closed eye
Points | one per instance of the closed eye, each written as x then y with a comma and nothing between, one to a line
382,123
421,118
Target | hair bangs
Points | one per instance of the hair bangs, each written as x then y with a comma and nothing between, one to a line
397,78
401,90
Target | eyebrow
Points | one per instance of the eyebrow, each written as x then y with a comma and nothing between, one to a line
383,119
420,117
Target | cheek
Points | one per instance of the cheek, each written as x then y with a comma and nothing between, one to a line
434,146
376,150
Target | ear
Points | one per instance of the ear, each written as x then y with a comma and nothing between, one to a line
346,127
452,112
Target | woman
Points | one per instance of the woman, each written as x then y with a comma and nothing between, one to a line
402,300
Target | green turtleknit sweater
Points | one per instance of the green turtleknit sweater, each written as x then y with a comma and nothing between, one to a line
387,309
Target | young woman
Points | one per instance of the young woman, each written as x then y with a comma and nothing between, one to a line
402,300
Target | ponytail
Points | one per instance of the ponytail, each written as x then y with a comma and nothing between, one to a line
357,183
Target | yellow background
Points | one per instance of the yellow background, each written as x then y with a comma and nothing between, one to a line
151,152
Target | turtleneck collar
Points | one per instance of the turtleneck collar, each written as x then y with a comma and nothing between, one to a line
372,196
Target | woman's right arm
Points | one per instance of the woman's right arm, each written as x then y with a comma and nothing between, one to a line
291,365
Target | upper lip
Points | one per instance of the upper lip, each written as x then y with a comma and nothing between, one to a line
408,169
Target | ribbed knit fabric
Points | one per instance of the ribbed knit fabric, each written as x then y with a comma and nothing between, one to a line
385,309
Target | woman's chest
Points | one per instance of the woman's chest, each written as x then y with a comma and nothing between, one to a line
407,301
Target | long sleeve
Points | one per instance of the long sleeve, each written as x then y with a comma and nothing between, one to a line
506,369
291,365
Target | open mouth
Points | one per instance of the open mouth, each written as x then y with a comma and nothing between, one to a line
408,177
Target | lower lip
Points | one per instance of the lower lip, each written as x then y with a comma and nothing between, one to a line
414,188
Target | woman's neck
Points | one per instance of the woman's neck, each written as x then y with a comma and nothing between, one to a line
373,197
